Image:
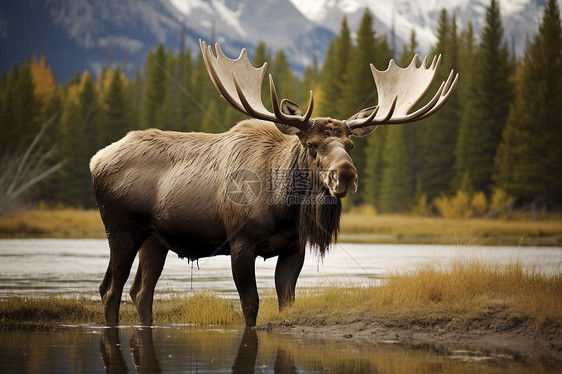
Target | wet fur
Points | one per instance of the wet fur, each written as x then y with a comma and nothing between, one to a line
140,173
160,190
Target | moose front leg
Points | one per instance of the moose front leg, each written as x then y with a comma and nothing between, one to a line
243,260
287,271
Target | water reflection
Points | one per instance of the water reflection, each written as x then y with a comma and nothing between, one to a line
281,355
180,349
141,348
145,360
245,361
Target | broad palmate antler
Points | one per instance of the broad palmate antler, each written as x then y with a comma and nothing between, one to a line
239,84
399,90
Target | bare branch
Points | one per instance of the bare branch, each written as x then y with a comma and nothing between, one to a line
21,171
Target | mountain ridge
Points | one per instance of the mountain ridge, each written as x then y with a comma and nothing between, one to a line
86,34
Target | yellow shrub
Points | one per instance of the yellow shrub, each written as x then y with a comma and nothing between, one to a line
364,210
454,207
500,201
479,204
422,208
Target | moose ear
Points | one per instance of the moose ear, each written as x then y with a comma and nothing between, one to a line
363,131
291,108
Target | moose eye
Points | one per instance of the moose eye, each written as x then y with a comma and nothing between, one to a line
311,149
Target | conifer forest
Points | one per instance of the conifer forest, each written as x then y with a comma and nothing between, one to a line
495,145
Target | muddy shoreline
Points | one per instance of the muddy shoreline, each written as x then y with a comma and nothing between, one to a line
491,338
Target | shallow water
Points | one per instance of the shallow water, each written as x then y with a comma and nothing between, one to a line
185,349
76,267
34,267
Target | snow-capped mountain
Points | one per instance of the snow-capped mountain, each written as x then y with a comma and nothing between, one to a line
520,18
90,34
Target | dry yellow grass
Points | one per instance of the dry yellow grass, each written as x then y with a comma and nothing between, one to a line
203,308
463,292
404,228
358,225
62,222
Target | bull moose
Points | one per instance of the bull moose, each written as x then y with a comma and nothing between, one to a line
162,190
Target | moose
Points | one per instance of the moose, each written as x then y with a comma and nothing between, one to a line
270,186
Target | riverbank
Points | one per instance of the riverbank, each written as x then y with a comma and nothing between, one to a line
493,334
470,304
356,227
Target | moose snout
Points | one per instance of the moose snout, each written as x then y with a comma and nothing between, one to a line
342,179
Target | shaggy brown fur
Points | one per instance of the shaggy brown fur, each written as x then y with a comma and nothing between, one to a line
160,191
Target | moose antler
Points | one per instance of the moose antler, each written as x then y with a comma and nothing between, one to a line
400,89
239,84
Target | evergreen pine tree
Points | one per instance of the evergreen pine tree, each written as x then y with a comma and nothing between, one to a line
19,109
436,136
486,108
134,91
395,178
79,129
529,160
406,56
311,81
155,89
333,71
328,78
261,56
7,130
168,115
200,93
395,185
114,122
360,92
467,56
344,49
284,81
187,103
211,121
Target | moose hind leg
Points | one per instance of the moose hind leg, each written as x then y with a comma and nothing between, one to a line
244,273
152,257
287,271
123,249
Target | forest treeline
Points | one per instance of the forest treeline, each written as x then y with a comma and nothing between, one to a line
495,144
